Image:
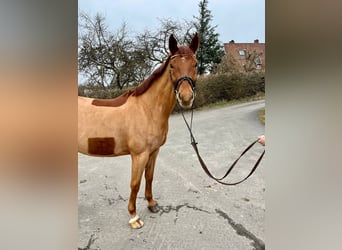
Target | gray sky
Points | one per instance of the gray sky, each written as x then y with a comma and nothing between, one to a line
239,20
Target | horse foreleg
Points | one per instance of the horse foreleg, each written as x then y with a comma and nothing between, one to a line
152,204
139,162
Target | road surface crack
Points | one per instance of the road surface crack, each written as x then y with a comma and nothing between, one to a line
169,208
241,230
91,241
112,201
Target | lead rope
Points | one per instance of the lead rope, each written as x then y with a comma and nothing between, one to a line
219,180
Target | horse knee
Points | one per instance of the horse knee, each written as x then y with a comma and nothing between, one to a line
135,186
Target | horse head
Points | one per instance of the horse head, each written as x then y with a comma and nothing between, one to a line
183,70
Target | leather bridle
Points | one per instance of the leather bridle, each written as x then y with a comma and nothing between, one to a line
185,78
177,83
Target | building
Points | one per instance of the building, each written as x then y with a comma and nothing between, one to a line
246,57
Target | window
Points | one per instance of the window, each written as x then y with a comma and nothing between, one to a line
241,52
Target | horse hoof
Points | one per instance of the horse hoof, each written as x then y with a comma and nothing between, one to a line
136,222
154,209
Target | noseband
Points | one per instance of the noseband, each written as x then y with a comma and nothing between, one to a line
183,78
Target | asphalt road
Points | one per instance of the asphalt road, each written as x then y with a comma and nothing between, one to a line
196,212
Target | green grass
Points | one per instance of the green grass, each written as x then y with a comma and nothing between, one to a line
262,116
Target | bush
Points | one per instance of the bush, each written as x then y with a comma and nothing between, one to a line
224,87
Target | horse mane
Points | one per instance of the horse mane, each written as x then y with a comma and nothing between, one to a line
139,90
145,85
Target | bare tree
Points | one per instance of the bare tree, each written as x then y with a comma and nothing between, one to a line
228,64
109,59
252,61
155,43
113,59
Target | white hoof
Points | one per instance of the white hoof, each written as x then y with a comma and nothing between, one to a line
136,222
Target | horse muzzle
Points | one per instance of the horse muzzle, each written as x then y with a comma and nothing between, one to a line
185,101
185,94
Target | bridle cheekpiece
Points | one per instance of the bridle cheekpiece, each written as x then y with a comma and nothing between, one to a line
183,78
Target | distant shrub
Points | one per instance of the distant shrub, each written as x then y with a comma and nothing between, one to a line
224,87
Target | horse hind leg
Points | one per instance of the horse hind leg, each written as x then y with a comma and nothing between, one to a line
152,204
138,165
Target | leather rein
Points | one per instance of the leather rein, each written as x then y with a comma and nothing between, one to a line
205,168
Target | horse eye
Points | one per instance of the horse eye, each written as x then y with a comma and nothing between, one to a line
171,66
196,65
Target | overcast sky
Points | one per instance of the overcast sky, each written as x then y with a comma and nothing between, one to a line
239,20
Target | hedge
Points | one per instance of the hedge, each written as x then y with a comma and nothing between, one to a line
224,87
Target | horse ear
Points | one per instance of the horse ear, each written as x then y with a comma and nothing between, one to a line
173,47
194,43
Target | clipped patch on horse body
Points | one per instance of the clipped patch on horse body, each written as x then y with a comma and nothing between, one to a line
101,146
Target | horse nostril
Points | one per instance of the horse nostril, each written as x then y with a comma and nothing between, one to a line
179,96
186,97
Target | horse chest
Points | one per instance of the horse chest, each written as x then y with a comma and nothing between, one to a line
158,137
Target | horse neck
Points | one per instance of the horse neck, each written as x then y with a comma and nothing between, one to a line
160,97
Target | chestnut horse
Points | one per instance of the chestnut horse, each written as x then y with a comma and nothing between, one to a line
136,122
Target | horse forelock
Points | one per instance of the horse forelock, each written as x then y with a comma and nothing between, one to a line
184,50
